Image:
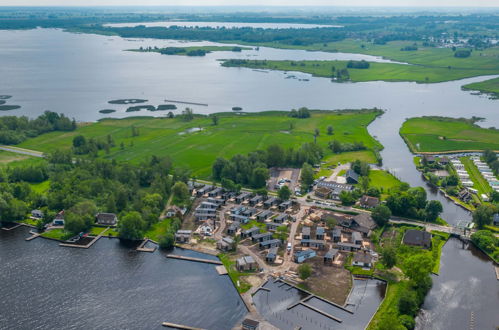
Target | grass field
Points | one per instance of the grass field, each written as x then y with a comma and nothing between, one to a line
158,230
41,187
479,181
237,277
490,86
7,157
346,157
382,179
234,134
438,134
58,234
376,71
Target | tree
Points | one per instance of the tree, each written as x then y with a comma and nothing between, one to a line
187,114
259,177
331,222
432,210
180,193
131,226
275,155
408,303
390,322
304,271
218,167
364,183
417,267
483,215
74,223
167,241
381,214
407,321
284,193
307,176
347,198
388,257
330,130
214,119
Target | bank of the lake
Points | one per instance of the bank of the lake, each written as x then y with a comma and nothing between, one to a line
490,87
45,286
190,51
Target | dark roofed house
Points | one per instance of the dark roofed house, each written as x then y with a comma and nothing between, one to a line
281,218
429,159
242,197
361,222
239,218
249,212
208,205
106,219
284,206
313,243
356,238
245,263
495,220
270,243
416,237
323,192
335,188
255,200
301,256
249,324
225,244
342,246
263,215
320,233
336,235
183,236
444,160
216,192
369,202
352,177
250,232
271,255
330,255
362,259
271,201
233,228
272,226
261,237
305,232
37,214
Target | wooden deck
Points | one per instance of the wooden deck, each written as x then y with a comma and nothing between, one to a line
142,247
179,326
207,261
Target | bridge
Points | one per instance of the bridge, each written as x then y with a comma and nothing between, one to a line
462,230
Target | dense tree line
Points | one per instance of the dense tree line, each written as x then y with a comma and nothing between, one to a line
252,170
412,203
358,64
338,147
14,130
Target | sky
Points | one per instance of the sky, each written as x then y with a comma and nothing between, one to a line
366,3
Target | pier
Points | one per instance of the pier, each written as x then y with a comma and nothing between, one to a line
179,326
207,261
85,246
11,228
142,248
33,236
184,102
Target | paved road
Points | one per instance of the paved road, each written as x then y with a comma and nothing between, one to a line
22,151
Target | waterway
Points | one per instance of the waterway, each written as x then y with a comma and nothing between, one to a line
109,286
78,74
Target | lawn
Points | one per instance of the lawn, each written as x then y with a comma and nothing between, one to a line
347,157
234,134
439,134
490,86
58,234
96,230
229,262
158,230
254,223
438,241
389,305
382,179
479,182
41,187
8,157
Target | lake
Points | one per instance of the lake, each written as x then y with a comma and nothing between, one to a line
78,74
108,286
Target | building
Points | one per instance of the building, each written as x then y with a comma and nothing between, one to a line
245,263
204,190
263,216
216,192
284,206
352,177
281,218
369,202
242,197
250,232
38,214
323,192
249,324
414,237
183,236
59,219
351,247
305,232
205,216
249,212
272,226
106,219
336,235
356,238
261,237
495,220
240,218
330,255
336,188
218,201
444,160
361,222
208,205
320,233
270,244
226,244
233,228
256,200
301,256
173,211
313,243
271,255
429,159
362,259
206,229
271,201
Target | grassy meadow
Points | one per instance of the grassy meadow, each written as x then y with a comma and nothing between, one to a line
438,134
235,133
490,86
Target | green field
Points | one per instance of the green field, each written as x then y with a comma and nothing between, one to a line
438,134
479,181
382,179
376,71
58,234
235,133
7,157
490,86
158,230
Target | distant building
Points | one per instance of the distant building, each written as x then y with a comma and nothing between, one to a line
233,228
416,237
330,255
301,256
242,197
271,201
369,202
250,232
323,192
263,216
313,243
245,263
305,232
281,218
356,238
351,247
106,219
429,159
270,244
226,244
320,233
59,219
249,324
284,206
38,214
271,255
183,236
495,220
336,235
336,188
261,237
362,259
352,177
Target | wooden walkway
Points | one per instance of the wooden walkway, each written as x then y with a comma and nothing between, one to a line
497,272
85,246
207,261
34,235
179,326
142,247
11,228
221,270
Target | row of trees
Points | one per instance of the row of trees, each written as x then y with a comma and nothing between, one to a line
339,147
14,130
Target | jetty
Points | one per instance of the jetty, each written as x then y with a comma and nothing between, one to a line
142,248
11,228
207,261
85,246
33,236
180,326
184,102
221,270
497,271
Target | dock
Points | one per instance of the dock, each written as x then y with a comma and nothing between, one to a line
207,261
321,312
33,236
85,246
221,270
184,102
497,271
11,228
142,248
179,326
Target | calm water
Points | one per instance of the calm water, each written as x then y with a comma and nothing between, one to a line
225,25
78,74
109,286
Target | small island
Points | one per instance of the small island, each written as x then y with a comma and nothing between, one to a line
107,111
127,101
190,51
9,107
